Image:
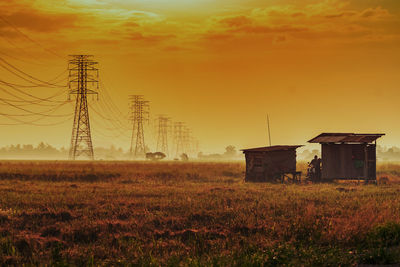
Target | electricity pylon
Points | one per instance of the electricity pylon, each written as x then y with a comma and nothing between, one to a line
139,114
196,146
163,124
179,131
133,99
82,75
187,133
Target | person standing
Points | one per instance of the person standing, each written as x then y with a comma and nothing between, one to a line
316,164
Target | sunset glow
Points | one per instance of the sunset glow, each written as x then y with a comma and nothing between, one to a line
220,66
199,132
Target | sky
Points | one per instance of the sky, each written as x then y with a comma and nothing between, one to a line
219,66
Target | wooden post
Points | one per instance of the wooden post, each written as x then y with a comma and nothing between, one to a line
269,131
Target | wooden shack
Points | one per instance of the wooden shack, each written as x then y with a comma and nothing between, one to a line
348,156
274,163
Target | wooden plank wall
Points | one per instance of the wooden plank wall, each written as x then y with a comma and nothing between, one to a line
271,163
342,161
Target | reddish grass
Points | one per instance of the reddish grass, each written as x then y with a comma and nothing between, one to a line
101,213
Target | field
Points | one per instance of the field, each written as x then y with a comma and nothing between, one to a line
190,214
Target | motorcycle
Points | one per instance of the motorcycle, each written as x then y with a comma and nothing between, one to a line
311,173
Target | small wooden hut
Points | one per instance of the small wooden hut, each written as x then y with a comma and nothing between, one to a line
273,163
348,156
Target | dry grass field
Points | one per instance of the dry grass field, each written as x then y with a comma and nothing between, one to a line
190,214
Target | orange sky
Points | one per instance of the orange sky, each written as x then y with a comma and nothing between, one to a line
220,66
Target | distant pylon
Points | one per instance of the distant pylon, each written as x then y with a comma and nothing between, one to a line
187,144
133,99
162,133
196,146
139,114
179,131
82,74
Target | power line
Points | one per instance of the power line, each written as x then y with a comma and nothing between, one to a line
48,99
21,51
111,109
111,125
116,121
114,108
16,58
40,86
36,80
22,122
29,38
101,133
33,113
112,118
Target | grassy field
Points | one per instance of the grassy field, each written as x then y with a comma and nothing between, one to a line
190,214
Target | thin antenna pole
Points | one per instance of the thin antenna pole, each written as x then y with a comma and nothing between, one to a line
269,131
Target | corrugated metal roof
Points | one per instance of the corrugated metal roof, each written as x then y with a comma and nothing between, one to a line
345,138
270,148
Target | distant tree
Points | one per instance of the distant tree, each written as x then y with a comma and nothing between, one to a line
41,146
230,151
27,147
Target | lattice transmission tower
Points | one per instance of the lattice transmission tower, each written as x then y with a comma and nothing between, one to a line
83,78
196,146
139,114
179,136
187,140
163,126
133,99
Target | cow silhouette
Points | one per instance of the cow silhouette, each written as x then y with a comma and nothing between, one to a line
155,156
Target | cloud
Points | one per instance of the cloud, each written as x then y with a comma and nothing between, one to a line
341,15
261,29
375,13
237,21
23,15
149,39
326,20
369,13
297,14
131,24
329,21
280,39
41,22
174,48
210,36
5,32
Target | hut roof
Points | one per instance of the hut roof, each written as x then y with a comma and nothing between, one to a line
270,149
345,138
